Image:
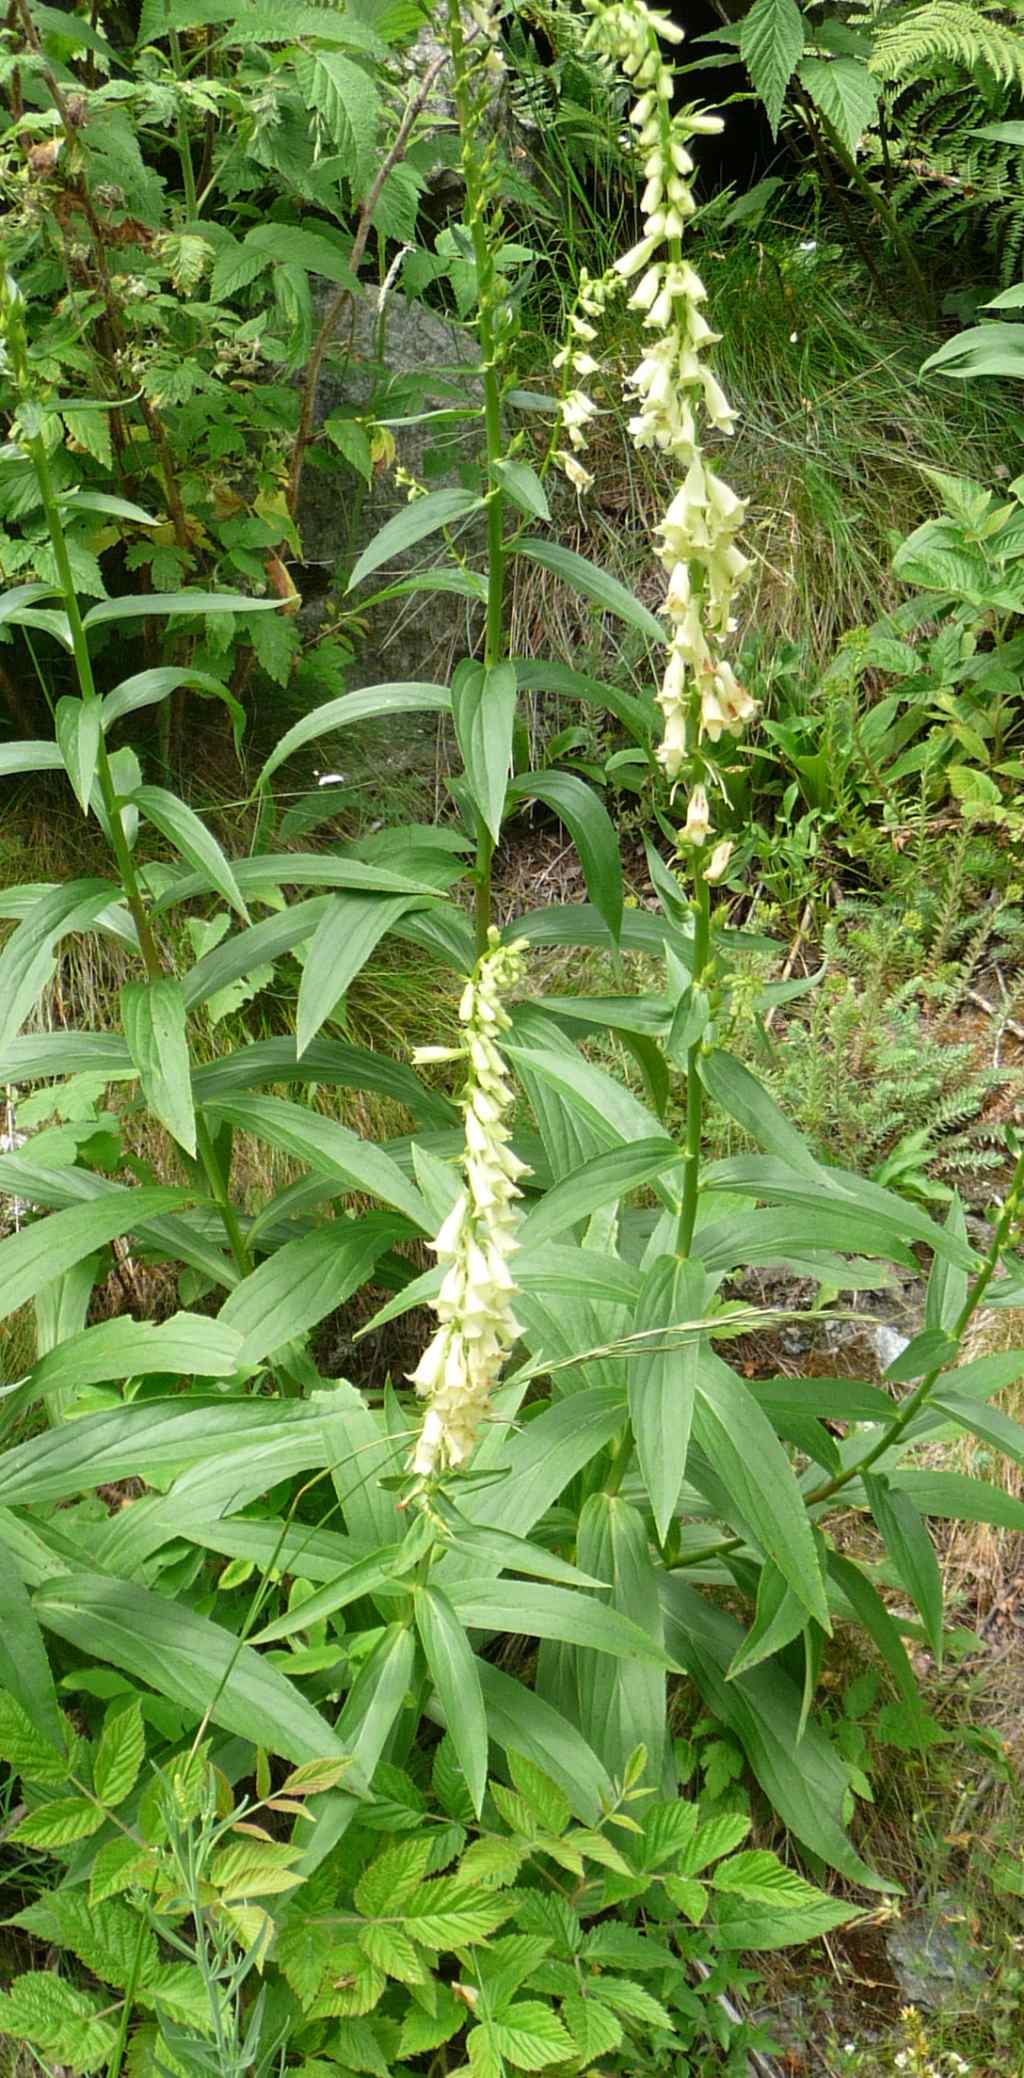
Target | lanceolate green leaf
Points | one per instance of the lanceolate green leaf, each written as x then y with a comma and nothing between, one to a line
29,756
302,1282
663,1372
148,605
48,1247
261,943
78,734
534,1609
329,1148
604,1180
187,1345
870,1610
762,1176
190,836
484,711
742,1098
24,1667
593,583
904,1533
367,1575
592,832
26,962
368,705
151,1440
805,1781
148,688
414,523
332,1061
622,1702
342,943
747,1457
544,1456
522,1722
153,1015
189,1659
454,1670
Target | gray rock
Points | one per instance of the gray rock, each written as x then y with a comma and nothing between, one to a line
428,362
931,1953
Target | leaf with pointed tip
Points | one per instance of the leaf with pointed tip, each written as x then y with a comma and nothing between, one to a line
663,1370
749,1463
370,704
32,755
77,723
40,1252
484,712
183,828
329,1148
594,583
148,605
904,1533
301,1283
189,1659
24,1667
424,516
344,938
592,832
26,962
454,1670
153,1017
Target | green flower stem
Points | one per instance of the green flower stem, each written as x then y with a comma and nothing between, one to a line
87,684
219,1192
476,217
913,1404
694,1087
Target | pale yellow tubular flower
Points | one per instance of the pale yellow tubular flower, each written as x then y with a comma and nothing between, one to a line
460,1367
673,389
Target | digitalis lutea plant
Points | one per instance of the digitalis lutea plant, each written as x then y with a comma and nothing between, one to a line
460,1367
671,389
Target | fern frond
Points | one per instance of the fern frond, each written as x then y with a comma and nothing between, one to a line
915,39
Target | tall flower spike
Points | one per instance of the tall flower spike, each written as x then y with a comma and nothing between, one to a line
460,1367
672,389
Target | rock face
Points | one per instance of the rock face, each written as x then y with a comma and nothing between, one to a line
406,363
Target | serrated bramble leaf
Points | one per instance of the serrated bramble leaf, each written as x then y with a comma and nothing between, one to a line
422,2032
771,41
595,2029
45,2011
120,1865
25,1748
108,1937
689,1896
632,2000
58,1823
313,1776
254,1869
549,1804
120,1752
395,1876
451,1914
531,2036
717,1836
492,1861
391,1951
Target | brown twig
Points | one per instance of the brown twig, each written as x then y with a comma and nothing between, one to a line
311,381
